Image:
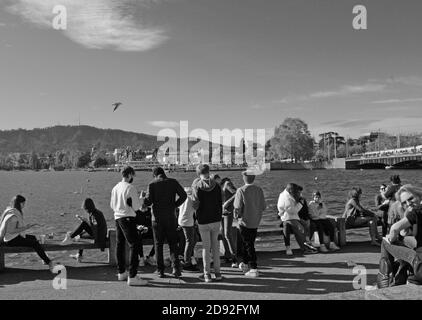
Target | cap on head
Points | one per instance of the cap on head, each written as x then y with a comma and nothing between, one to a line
248,177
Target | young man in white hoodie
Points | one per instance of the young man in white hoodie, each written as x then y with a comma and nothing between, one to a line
124,202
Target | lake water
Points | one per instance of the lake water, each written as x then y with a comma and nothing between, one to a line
53,198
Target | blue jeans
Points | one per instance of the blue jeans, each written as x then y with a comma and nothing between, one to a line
190,242
397,251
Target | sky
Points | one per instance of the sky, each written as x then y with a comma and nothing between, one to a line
245,64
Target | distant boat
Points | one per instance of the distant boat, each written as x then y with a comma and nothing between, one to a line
388,167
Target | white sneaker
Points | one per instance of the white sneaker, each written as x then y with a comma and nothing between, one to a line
142,262
252,273
151,261
76,256
235,265
193,260
67,240
51,266
334,247
137,281
289,251
244,267
323,248
122,276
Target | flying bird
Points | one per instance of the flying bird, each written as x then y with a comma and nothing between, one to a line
116,105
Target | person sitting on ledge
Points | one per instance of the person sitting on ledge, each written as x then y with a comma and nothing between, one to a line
357,216
288,206
320,223
396,247
12,230
95,227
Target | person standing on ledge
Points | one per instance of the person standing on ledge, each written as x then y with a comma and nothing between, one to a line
123,194
249,204
165,195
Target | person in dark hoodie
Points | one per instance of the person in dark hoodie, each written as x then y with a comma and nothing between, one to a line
95,227
208,203
165,195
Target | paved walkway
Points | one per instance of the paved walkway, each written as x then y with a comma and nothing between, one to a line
318,276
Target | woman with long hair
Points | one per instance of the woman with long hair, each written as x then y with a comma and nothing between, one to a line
396,253
357,216
229,192
289,205
13,230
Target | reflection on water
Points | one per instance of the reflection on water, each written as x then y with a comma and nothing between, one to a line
53,198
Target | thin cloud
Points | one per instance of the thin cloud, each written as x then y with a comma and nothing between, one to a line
95,24
344,91
349,90
407,80
397,101
164,124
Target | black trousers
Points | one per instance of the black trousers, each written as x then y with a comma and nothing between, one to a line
166,228
323,226
141,246
31,242
83,227
126,232
248,239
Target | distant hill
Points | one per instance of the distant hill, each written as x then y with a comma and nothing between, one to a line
80,138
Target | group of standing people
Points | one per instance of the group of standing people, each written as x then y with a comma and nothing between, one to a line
209,203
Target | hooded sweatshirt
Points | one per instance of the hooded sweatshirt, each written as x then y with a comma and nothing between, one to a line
207,200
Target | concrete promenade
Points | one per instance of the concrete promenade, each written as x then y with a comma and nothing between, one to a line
318,276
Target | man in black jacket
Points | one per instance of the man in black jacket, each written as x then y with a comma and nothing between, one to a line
161,195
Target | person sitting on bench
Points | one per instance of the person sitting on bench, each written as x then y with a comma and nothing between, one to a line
12,230
95,228
357,216
398,253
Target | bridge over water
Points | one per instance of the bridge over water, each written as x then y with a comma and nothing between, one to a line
381,161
